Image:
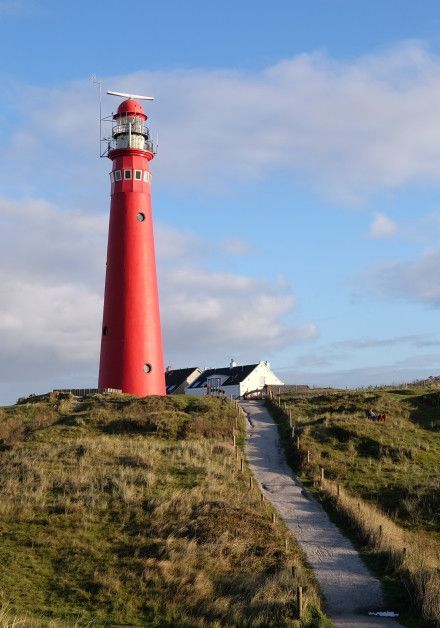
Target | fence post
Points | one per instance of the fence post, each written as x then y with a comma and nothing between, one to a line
308,455
297,442
241,465
250,483
322,475
233,437
299,601
273,518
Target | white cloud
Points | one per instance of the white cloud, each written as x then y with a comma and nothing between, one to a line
415,280
352,126
382,226
217,313
237,246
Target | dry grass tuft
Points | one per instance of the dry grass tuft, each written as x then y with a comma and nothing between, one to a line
116,510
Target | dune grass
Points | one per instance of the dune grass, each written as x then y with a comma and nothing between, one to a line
387,475
123,511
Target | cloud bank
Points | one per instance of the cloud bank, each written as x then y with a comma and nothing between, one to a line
352,127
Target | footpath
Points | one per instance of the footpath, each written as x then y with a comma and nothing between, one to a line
350,591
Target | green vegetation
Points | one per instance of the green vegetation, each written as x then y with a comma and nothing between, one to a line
124,511
382,478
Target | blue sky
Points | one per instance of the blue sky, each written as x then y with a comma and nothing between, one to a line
295,193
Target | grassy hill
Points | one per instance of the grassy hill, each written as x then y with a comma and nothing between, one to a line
387,475
133,512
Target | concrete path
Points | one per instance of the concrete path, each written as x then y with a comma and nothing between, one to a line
349,589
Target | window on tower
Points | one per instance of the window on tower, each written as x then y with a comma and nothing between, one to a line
127,174
147,176
112,177
138,175
118,175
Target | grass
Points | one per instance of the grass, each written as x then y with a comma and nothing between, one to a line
123,511
387,473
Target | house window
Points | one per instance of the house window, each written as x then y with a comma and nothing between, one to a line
127,174
140,217
147,368
118,175
138,175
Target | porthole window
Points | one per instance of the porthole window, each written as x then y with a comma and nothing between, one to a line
118,175
127,174
138,175
147,368
112,177
140,217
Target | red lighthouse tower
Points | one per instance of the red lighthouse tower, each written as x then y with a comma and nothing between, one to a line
131,344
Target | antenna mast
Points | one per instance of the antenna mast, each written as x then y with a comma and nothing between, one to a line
98,82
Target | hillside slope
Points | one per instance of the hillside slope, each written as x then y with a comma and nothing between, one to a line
381,478
126,511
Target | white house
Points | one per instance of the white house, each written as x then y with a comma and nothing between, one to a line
234,380
177,380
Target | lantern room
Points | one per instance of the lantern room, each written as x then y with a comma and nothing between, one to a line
129,128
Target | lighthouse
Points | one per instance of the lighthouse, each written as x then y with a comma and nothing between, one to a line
131,339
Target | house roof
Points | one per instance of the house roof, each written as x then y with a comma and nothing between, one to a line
176,377
235,375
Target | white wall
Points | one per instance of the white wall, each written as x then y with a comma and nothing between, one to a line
259,377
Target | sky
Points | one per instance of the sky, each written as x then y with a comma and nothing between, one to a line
296,189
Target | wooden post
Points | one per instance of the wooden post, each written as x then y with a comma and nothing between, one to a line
293,432
290,417
287,544
233,437
297,442
241,465
250,483
273,518
322,475
299,601
308,455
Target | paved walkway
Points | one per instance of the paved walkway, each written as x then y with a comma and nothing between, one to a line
349,589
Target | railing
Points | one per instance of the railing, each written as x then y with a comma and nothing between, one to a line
136,127
131,142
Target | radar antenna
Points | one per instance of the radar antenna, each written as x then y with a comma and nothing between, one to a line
124,95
